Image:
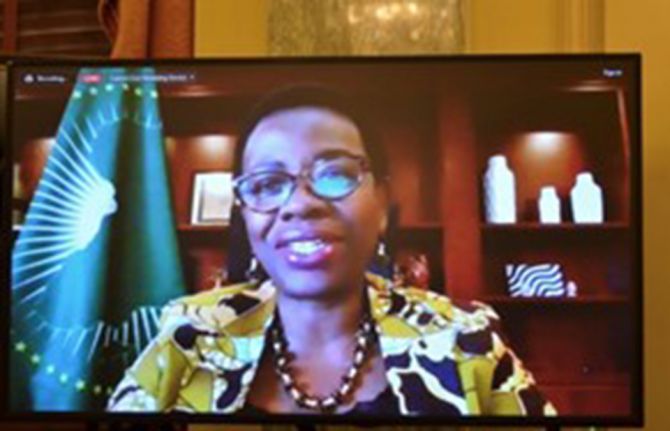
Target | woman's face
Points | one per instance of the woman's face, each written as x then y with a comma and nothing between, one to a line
313,247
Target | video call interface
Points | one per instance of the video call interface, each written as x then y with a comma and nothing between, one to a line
512,183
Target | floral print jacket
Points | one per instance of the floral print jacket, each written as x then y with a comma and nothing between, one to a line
440,359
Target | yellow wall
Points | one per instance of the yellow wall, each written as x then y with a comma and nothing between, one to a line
233,28
238,27
522,26
533,26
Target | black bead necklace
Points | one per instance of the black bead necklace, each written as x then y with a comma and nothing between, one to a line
283,360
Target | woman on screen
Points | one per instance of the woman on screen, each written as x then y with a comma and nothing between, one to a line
312,330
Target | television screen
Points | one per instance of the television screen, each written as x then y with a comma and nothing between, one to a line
383,240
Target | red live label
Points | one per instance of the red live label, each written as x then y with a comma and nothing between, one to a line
91,78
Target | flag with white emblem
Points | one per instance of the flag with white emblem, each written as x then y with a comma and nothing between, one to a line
97,255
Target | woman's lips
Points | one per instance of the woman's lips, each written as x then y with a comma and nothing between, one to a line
308,252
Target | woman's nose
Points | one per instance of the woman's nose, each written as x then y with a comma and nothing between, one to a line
303,203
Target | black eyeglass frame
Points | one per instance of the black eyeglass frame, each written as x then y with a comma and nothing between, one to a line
304,175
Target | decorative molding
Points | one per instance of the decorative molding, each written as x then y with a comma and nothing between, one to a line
581,25
565,25
467,17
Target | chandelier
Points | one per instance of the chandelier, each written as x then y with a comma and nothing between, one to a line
364,27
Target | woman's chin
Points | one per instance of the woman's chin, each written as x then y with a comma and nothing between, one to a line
310,286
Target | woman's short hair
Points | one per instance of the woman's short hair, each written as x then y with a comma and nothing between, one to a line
317,96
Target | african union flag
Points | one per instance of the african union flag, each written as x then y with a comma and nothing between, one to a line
97,255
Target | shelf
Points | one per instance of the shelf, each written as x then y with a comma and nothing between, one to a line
501,300
566,237
204,228
430,225
514,228
182,228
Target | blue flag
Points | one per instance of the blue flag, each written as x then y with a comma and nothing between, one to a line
98,253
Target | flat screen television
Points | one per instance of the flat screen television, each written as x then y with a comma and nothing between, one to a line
443,240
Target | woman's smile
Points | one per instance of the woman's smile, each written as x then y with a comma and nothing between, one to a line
309,248
309,254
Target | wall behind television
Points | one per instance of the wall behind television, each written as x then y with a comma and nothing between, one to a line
232,27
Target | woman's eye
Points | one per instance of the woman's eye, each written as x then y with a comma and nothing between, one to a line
270,184
337,172
335,180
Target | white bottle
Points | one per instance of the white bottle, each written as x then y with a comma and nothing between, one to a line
499,191
549,205
571,289
586,198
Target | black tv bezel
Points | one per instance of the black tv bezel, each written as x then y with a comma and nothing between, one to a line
9,65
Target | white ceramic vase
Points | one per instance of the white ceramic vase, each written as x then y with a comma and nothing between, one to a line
499,191
549,205
586,198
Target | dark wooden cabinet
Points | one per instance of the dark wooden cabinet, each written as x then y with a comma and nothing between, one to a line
67,28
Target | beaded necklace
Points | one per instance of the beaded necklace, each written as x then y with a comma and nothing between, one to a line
283,359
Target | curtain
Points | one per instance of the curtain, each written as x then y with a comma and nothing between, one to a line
364,27
148,28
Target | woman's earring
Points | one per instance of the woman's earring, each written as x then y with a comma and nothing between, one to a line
382,264
381,250
252,271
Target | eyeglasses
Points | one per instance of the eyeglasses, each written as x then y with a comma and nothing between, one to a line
331,178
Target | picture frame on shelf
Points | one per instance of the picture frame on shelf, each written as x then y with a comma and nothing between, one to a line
212,198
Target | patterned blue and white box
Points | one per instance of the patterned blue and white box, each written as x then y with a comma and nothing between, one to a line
543,280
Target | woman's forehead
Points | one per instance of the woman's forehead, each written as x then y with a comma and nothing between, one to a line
297,135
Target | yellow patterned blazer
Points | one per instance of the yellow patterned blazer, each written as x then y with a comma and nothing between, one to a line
440,359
